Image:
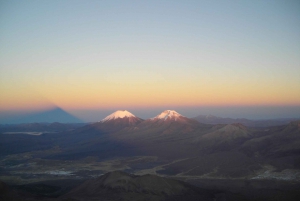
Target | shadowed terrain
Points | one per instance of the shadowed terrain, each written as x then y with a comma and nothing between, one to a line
173,147
123,186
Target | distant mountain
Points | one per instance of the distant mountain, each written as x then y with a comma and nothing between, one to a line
224,137
279,142
47,116
121,118
229,131
167,122
123,186
120,114
169,116
114,122
210,119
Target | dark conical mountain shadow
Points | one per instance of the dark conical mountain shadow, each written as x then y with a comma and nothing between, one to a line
47,116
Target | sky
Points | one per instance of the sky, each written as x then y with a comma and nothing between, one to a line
229,58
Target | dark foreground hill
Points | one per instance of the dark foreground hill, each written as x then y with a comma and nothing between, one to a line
5,193
115,186
123,186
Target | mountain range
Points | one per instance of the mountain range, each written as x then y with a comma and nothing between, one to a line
210,119
168,145
170,135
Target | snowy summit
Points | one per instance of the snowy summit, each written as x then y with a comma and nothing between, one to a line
118,114
168,114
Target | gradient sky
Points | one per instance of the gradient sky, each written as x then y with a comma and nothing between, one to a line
195,56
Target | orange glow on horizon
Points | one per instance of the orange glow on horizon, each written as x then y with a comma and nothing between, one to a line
133,94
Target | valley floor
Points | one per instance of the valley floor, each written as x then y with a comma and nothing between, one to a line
22,169
56,177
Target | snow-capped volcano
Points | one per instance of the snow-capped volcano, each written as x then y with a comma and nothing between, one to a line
168,122
114,122
118,114
168,114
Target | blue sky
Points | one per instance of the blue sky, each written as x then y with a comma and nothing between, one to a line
102,55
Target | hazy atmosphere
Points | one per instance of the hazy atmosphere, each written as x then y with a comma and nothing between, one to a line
226,58
158,100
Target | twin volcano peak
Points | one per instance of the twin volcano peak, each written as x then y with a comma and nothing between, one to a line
118,114
168,114
165,115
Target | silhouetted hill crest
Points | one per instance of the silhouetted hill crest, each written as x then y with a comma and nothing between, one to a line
123,186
